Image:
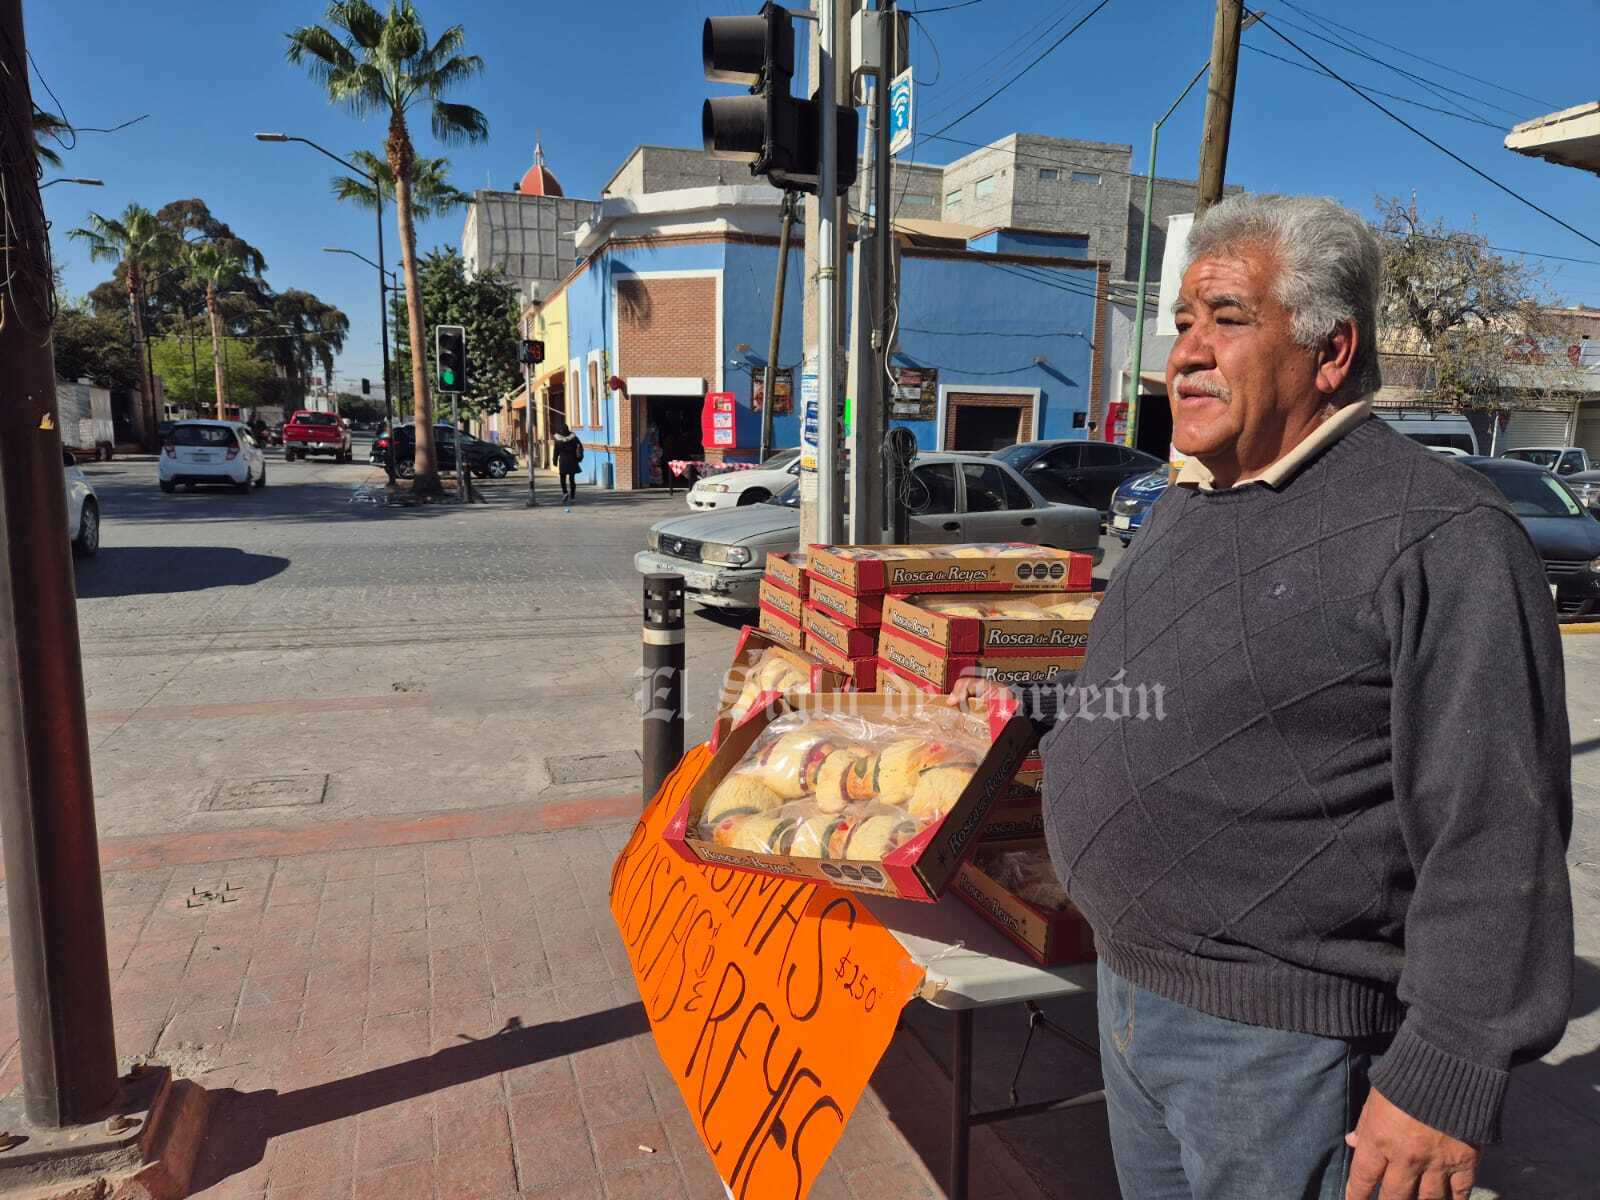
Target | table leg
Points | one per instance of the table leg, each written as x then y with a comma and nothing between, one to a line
961,1104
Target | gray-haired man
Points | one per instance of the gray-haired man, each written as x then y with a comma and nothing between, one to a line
1329,889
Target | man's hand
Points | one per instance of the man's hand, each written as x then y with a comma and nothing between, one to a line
1400,1158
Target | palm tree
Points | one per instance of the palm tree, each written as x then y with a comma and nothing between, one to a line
384,64
432,194
214,267
48,125
142,244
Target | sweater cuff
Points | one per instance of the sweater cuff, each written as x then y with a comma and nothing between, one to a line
1441,1090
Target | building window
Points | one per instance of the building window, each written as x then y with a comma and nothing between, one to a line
594,394
914,200
983,188
1048,174
1086,177
576,392
952,199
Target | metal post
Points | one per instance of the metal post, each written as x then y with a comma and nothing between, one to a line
887,295
527,410
455,441
960,1104
662,693
58,934
830,527
774,342
859,474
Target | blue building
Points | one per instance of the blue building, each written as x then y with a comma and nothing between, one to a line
1001,335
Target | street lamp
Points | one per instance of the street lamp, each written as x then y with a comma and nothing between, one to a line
1250,19
66,179
383,302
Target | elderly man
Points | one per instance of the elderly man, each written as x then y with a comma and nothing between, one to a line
1328,889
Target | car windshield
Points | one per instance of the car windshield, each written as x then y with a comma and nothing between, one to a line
789,497
1541,458
1012,455
315,419
781,458
203,435
1535,494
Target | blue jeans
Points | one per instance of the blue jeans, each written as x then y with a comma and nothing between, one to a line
1207,1109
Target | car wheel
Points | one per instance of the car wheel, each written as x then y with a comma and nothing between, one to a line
497,468
754,496
168,486
288,456
405,470
87,543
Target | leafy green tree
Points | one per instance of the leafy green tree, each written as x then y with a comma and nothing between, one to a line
94,346
253,381
139,244
432,194
383,64
486,307
319,331
217,270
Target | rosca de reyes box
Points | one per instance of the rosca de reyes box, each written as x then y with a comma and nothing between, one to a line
762,670
861,674
975,567
863,612
1004,624
791,604
846,640
782,628
875,793
787,571
909,656
1013,886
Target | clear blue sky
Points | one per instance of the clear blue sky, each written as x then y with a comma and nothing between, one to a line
600,77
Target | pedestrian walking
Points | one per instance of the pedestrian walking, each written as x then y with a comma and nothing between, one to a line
568,455
1327,876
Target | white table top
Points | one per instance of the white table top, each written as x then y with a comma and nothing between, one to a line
969,963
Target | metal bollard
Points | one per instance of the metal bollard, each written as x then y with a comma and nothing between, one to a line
662,693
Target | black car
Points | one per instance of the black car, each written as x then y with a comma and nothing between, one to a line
1077,472
1564,533
482,458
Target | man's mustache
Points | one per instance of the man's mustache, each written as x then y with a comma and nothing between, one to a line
1198,383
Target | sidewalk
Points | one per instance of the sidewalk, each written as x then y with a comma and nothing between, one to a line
452,1019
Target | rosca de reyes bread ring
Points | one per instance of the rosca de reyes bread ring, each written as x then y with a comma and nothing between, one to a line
739,795
764,833
788,765
938,789
872,838
897,769
847,776
812,835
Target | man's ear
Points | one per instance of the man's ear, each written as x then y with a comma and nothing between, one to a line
1337,359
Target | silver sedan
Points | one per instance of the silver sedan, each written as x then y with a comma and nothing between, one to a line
952,498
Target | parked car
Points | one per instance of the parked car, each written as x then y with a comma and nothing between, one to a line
1562,460
953,498
1436,430
731,489
1585,486
83,509
1077,472
482,458
1566,536
311,432
211,452
1133,499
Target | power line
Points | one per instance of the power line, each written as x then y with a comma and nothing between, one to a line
1048,51
1478,171
1446,112
928,12
982,76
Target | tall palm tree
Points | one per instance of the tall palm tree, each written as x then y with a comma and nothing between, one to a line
432,194
214,267
384,64
142,244
52,126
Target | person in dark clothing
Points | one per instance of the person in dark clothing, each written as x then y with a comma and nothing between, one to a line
1327,881
568,455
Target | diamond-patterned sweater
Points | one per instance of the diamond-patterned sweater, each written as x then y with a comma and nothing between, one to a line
1345,811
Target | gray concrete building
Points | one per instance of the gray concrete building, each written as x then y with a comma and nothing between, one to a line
527,234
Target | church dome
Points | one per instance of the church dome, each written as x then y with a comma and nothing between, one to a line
539,180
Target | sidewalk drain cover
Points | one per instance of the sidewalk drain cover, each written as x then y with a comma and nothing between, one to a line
588,768
293,792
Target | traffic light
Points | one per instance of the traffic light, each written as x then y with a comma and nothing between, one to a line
366,387
532,351
450,353
778,135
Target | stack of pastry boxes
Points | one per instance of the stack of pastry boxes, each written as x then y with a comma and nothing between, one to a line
783,597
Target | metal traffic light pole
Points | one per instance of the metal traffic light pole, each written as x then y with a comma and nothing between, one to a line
830,524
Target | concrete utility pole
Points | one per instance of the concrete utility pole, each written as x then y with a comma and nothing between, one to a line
859,368
1219,104
58,930
774,342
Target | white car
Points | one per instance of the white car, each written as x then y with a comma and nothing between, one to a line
735,489
211,452
83,510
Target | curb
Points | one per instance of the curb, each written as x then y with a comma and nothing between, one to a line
1581,627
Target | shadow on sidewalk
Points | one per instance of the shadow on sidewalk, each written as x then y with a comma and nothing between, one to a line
156,570
243,1123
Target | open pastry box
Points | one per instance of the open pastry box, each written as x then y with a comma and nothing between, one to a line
1050,936
786,670
979,567
881,794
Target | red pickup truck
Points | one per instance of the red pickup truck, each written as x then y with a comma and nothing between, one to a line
311,432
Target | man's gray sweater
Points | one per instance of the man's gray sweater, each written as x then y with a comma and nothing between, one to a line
1351,814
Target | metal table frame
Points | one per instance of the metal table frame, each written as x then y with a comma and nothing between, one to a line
969,965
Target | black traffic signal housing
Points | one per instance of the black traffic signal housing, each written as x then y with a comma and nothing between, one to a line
450,357
778,135
366,387
531,352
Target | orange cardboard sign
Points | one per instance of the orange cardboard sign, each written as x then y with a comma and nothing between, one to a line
771,1000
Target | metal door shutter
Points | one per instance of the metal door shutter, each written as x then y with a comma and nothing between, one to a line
1589,429
1535,429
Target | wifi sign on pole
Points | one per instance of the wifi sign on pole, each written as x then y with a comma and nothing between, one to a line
900,112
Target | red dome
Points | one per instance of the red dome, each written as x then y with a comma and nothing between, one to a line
538,180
